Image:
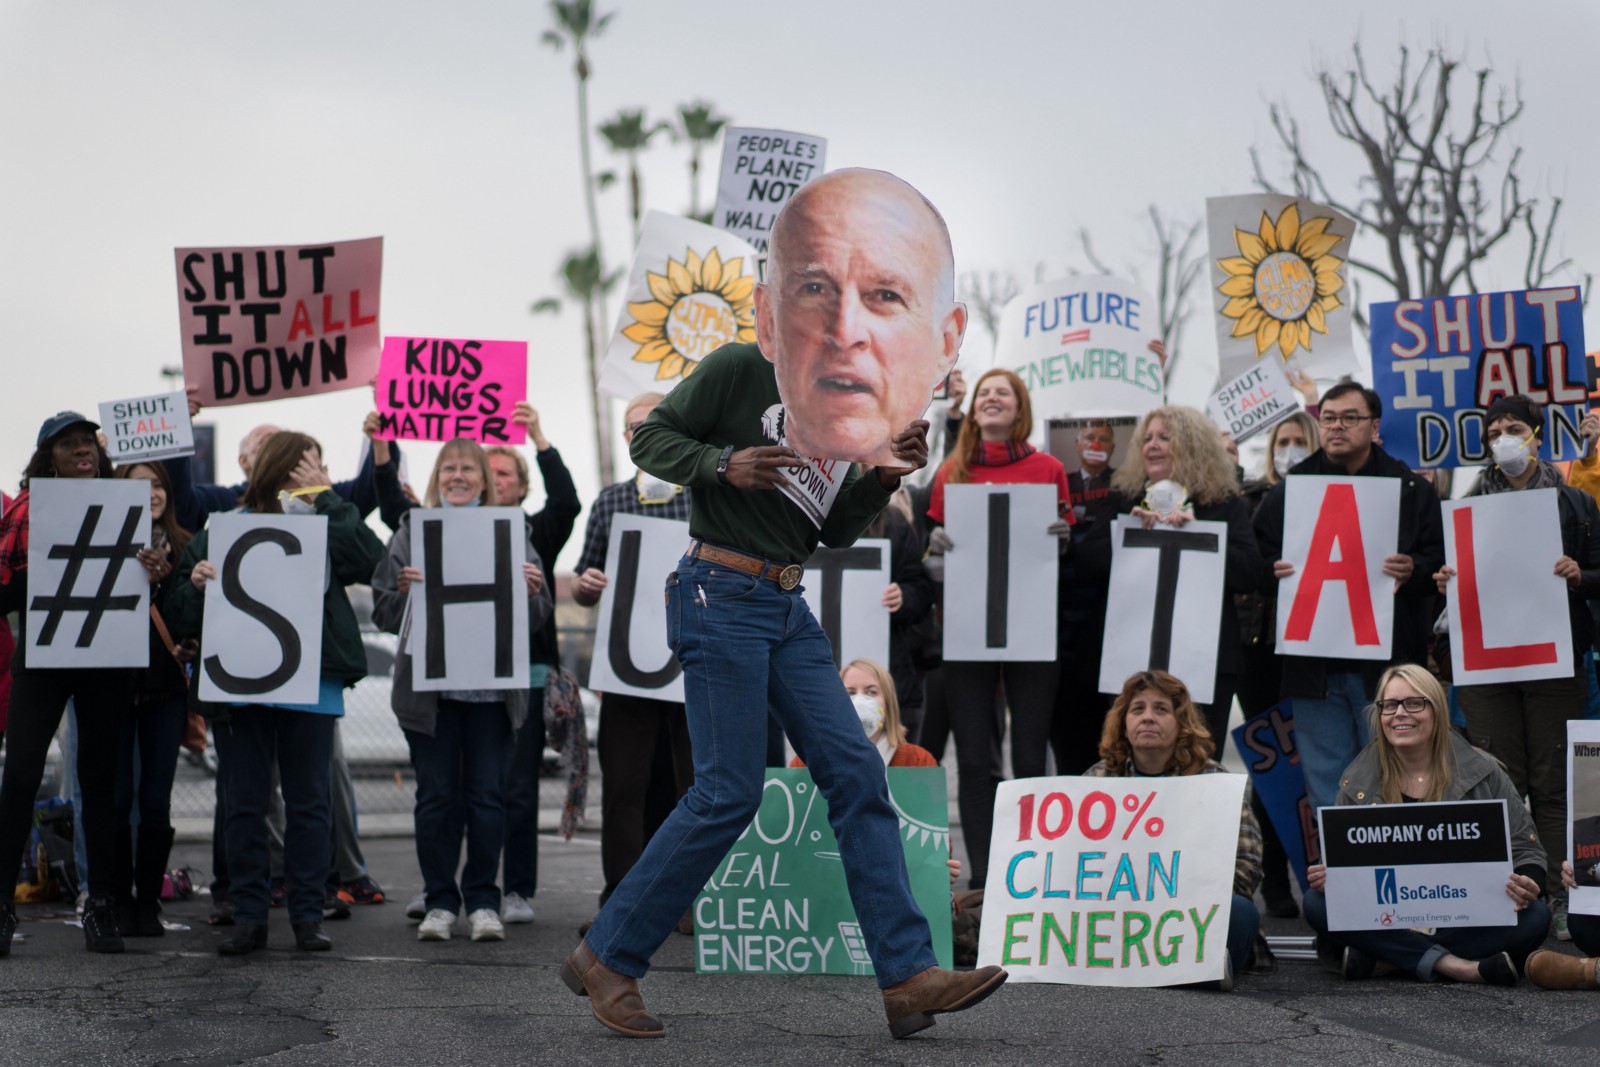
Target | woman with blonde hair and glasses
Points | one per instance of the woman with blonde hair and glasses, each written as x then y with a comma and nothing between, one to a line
1180,472
1415,756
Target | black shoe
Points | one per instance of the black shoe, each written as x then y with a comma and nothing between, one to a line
310,938
146,920
334,906
221,911
1498,970
100,926
8,926
243,941
1282,907
1329,954
1357,965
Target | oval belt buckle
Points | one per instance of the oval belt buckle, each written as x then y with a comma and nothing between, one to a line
789,577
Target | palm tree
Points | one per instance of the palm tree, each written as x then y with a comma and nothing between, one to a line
701,125
576,21
586,282
628,135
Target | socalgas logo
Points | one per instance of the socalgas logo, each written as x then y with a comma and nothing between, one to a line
1388,890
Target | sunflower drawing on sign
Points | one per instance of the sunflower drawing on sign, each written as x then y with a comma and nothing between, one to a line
1284,282
697,305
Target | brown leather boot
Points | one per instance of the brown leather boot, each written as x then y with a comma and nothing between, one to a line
613,997
912,1004
1557,970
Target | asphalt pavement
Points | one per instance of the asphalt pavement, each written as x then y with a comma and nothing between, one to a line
381,997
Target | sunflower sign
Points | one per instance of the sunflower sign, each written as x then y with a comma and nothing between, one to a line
691,290
1278,279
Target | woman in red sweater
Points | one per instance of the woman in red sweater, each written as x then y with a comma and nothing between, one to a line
993,449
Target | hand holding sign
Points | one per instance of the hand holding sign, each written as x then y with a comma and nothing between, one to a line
761,467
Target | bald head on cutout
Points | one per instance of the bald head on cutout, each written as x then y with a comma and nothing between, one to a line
858,313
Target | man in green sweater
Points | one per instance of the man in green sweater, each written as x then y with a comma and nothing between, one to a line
860,267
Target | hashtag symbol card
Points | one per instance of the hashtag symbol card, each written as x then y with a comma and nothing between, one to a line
88,594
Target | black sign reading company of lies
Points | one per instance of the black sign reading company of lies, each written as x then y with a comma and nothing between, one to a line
1468,831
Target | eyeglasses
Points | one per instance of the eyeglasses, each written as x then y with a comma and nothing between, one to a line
1348,419
1413,705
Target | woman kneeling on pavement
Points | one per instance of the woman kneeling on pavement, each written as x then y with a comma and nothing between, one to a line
1154,730
458,739
1415,756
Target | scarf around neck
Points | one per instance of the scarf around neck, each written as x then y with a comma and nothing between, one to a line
1546,475
1001,453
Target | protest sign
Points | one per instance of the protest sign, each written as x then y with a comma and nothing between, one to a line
778,903
1266,743
1089,448
761,170
1395,866
1000,578
1120,909
1583,814
1255,401
1337,531
469,614
1507,609
845,587
1438,364
1165,582
631,654
88,594
690,290
262,637
1277,272
277,321
433,389
147,427
1086,345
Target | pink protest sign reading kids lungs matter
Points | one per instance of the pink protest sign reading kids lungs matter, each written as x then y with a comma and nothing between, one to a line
435,389
278,321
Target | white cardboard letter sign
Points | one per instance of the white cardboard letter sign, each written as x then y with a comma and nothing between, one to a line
1000,578
844,587
1337,531
630,640
469,614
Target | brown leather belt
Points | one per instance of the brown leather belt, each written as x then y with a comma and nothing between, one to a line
787,576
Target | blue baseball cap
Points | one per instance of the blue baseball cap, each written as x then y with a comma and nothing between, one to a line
60,422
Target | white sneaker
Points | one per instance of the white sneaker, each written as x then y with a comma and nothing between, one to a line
417,910
515,908
436,925
486,925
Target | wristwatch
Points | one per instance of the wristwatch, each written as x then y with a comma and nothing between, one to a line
722,465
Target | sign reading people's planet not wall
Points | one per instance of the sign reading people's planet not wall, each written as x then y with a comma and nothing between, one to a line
147,427
281,320
433,389
761,170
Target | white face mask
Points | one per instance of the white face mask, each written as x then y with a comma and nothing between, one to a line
1511,453
869,711
1095,455
653,490
1286,457
296,505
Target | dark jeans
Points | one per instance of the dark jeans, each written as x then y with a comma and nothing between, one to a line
933,732
1244,923
631,728
1030,692
461,794
301,743
1585,931
37,699
1411,951
523,761
151,734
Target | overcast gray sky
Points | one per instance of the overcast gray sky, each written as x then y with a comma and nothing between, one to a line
449,129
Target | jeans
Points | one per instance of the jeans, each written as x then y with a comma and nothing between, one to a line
1585,931
300,743
461,794
147,760
524,758
1411,951
37,698
1244,923
348,862
1329,733
1524,726
1030,694
745,644
631,729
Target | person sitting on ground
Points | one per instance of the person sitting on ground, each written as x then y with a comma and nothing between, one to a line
1154,730
1549,969
1415,756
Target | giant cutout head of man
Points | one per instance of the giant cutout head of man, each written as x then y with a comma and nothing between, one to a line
858,314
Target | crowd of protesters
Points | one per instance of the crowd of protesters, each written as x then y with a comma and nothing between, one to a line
1365,731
